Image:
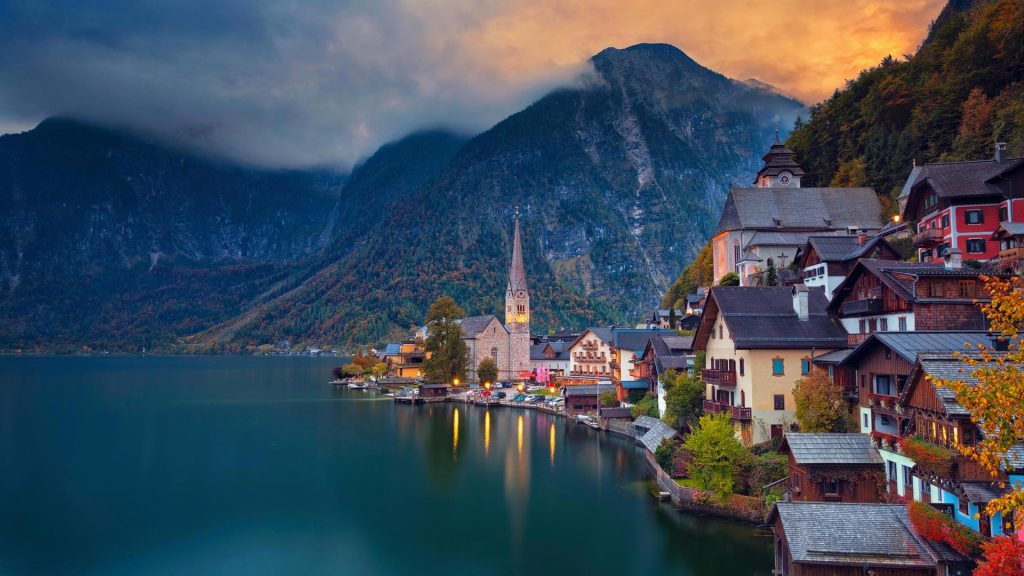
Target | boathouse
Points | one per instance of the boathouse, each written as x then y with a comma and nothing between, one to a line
833,467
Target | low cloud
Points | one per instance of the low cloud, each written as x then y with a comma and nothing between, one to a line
281,83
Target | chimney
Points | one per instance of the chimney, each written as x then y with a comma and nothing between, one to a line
999,342
1000,152
954,259
800,301
862,238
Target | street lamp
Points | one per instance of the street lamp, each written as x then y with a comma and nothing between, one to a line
455,381
487,385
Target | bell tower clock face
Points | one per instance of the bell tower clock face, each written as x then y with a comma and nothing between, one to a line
521,317
784,178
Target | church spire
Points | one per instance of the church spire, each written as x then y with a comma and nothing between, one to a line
516,273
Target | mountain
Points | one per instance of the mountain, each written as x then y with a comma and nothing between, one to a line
619,180
111,241
960,93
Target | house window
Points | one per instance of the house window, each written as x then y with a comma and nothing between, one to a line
805,366
956,436
494,353
903,323
863,325
872,325
976,246
891,470
945,220
780,401
908,479
973,217
883,324
963,506
741,366
1003,214
778,367
721,332
882,385
967,288
831,487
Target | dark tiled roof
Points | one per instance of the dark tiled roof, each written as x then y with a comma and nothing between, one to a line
833,357
1011,228
950,368
833,248
846,449
1014,457
678,343
801,208
656,431
617,412
603,333
561,350
588,389
909,344
473,325
763,317
949,179
982,492
857,534
635,338
888,271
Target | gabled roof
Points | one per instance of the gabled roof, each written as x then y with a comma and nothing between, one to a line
635,339
603,333
587,389
616,412
852,534
898,276
959,179
779,158
392,349
949,367
656,431
828,449
909,344
763,317
473,325
1009,229
561,350
810,209
833,357
844,248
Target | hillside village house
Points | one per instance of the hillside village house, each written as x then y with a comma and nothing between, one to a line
855,539
405,359
1010,238
663,353
758,342
767,226
827,260
832,467
549,360
591,354
882,296
961,204
628,346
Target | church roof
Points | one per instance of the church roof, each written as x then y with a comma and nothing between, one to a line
473,325
791,209
516,273
778,159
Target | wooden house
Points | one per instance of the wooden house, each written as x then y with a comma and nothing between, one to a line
855,539
884,296
833,467
584,398
433,391
827,260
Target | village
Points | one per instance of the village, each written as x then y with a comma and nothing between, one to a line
812,387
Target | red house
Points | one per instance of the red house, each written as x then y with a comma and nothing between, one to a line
961,204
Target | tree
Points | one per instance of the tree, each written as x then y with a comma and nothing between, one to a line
819,403
994,401
647,406
698,273
716,452
684,396
608,399
379,369
487,370
729,279
449,355
1001,556
672,320
664,454
773,276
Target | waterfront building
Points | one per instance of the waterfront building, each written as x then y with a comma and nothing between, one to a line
766,226
549,360
663,353
590,355
883,296
405,359
628,345
827,260
758,342
854,539
833,467
584,398
961,204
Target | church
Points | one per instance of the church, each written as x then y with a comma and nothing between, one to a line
508,343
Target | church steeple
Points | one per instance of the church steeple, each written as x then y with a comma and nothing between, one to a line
517,295
780,170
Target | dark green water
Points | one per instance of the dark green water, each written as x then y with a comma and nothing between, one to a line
257,466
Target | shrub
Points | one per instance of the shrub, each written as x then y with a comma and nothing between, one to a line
648,406
664,455
716,452
1001,556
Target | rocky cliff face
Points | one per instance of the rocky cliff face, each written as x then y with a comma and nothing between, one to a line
620,180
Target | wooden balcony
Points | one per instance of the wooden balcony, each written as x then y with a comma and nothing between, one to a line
738,413
588,346
864,306
719,378
929,238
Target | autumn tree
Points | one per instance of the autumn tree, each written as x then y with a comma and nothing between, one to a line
717,454
698,273
487,370
1001,556
449,354
994,396
819,403
729,279
684,399
608,399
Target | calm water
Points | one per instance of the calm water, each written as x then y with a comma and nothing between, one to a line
257,466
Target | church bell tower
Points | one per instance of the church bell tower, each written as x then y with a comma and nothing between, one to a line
517,310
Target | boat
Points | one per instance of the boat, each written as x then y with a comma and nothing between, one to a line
358,386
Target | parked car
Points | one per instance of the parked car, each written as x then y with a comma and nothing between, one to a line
499,395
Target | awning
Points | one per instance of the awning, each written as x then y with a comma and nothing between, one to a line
634,384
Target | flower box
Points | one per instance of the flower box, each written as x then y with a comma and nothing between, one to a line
929,457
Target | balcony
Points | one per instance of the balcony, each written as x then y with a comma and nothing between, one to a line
719,377
588,345
738,413
928,238
865,306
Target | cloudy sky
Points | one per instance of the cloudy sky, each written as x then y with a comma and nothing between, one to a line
324,82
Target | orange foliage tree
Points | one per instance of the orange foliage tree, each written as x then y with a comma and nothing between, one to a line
995,400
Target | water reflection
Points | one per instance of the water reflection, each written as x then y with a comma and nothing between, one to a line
487,432
519,436
455,434
552,442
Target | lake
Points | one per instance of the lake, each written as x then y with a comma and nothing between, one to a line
255,465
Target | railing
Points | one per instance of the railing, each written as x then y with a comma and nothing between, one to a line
738,412
589,346
719,377
928,237
884,401
865,306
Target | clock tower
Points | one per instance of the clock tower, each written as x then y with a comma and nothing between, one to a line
780,170
517,310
